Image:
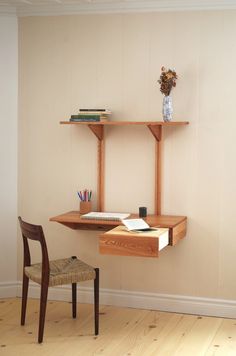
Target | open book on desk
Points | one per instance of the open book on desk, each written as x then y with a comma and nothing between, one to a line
93,215
137,225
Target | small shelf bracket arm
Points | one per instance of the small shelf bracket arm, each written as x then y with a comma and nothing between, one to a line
97,130
156,131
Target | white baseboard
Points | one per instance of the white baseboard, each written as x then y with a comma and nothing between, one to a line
8,289
140,300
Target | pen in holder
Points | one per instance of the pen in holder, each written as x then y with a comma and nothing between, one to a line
85,201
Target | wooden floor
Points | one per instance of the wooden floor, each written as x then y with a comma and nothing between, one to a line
123,331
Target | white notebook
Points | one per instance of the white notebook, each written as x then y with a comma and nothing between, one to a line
137,225
93,215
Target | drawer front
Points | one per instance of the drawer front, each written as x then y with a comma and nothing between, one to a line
118,242
128,246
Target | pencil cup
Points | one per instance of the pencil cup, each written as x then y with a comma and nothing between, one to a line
85,207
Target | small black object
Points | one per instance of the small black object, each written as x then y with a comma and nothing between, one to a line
143,212
74,257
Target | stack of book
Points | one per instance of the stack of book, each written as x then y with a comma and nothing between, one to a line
91,115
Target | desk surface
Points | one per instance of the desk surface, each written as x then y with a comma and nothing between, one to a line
176,224
74,218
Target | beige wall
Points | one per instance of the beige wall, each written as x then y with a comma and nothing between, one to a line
114,61
8,154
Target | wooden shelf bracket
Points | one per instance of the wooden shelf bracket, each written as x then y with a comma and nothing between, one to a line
97,130
156,131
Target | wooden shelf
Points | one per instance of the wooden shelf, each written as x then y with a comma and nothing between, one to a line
126,123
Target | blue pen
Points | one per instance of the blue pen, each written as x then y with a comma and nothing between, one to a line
81,195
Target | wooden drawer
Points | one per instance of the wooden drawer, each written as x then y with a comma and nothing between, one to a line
178,232
119,241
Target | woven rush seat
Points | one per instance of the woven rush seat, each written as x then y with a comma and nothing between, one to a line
62,271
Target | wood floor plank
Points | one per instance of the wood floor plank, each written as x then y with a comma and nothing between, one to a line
224,342
113,328
123,332
199,337
163,336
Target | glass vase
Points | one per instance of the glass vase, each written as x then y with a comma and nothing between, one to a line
167,109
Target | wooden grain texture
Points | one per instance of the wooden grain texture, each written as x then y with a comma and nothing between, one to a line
153,220
156,130
128,246
158,177
85,207
123,332
97,130
176,224
178,233
100,175
157,133
121,242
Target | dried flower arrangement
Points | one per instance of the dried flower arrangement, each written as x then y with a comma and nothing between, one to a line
167,80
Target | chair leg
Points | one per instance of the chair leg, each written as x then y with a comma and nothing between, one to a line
25,286
96,301
43,305
74,299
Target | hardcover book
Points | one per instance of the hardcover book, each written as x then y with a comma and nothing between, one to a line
82,117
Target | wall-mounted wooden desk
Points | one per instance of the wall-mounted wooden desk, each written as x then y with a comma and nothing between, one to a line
176,224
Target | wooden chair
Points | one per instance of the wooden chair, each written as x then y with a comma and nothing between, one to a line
51,273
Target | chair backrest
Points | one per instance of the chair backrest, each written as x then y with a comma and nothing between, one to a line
34,232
